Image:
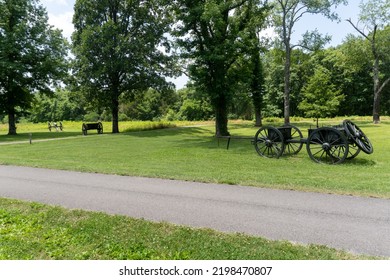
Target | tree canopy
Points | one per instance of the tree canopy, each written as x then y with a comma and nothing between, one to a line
286,14
32,56
213,35
374,16
120,48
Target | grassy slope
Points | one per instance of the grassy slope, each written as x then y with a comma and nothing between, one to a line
193,154
35,231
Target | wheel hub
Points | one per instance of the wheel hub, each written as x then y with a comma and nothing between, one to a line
326,146
268,143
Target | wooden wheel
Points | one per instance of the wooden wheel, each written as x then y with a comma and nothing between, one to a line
84,129
269,142
327,145
100,128
293,142
353,150
358,137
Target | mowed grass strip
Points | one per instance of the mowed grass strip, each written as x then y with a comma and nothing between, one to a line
192,153
35,231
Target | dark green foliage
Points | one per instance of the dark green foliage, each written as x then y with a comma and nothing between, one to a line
286,14
32,56
63,105
120,48
320,96
213,35
148,105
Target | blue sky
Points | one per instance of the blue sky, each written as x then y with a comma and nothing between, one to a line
61,12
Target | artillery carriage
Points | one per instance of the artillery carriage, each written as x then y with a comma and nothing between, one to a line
331,145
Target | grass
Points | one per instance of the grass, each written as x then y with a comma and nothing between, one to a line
36,231
192,153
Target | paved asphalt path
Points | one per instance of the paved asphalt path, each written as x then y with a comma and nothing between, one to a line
358,225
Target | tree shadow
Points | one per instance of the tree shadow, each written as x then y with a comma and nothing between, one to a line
25,136
175,131
360,162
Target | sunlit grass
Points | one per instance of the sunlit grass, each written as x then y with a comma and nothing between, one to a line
192,153
35,231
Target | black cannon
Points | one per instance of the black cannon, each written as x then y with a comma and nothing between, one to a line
331,145
88,126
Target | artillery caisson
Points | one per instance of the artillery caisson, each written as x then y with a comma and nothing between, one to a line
330,145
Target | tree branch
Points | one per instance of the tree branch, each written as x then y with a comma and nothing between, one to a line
383,85
358,30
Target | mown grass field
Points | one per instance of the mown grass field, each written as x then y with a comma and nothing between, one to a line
192,153
35,231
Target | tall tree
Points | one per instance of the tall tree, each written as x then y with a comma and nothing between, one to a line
257,85
32,56
374,16
213,35
287,14
120,47
321,98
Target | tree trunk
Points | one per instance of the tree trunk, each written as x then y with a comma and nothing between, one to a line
257,85
11,123
287,74
258,120
221,116
115,115
376,107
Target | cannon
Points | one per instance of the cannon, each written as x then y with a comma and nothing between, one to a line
330,145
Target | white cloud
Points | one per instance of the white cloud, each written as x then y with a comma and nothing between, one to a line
63,22
56,2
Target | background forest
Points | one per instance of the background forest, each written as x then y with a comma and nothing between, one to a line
232,70
347,69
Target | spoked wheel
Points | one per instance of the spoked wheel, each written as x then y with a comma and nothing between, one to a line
358,137
84,129
353,150
327,145
100,128
293,143
269,142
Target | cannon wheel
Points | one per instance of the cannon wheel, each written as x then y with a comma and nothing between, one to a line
327,145
353,150
296,144
100,128
358,137
84,129
269,142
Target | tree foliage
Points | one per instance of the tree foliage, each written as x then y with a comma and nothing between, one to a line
120,48
213,35
287,14
32,56
62,105
321,98
374,16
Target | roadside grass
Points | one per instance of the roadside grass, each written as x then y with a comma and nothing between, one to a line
31,231
192,153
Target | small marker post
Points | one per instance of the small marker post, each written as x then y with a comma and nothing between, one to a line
30,138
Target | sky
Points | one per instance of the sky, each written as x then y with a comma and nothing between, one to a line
61,12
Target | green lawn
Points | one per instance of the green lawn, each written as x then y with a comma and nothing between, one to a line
192,153
36,231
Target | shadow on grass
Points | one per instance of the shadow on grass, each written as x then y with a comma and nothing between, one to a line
360,162
37,136
175,131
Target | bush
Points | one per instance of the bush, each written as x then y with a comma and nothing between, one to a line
91,117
